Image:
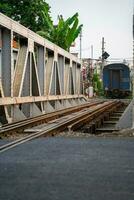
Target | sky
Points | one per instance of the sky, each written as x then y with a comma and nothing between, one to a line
111,19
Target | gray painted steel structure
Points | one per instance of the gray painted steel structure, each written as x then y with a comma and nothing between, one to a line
37,77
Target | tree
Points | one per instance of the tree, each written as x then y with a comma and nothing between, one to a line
64,33
27,12
35,15
97,84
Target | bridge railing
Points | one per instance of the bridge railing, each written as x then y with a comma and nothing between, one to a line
35,74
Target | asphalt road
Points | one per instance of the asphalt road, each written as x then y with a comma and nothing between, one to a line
68,169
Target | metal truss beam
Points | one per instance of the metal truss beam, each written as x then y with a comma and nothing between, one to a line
22,100
34,71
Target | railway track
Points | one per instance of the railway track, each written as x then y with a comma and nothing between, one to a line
44,118
73,120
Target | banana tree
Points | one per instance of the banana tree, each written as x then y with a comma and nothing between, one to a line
64,33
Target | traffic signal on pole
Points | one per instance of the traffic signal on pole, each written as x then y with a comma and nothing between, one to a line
105,55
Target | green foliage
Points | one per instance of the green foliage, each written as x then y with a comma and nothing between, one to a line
97,84
35,15
65,33
27,12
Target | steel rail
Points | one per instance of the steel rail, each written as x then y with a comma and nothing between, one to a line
46,117
54,112
96,115
58,126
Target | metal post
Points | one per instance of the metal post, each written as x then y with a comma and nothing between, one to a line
133,58
6,61
133,72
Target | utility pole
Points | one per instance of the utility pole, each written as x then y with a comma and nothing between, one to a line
102,59
80,44
91,64
92,52
103,48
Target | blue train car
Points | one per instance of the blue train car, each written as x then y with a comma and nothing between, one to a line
116,80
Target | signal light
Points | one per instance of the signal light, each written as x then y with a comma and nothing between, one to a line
105,55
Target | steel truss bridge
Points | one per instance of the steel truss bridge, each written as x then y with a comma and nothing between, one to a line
36,76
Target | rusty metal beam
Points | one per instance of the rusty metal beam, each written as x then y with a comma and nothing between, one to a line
21,100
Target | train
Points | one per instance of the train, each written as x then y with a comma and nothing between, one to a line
116,80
